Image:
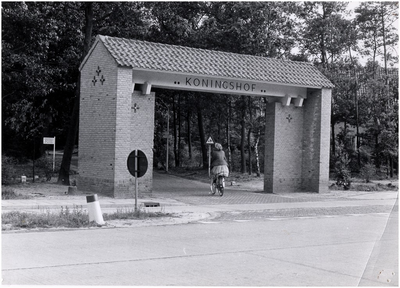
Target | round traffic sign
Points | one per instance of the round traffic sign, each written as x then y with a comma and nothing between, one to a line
141,163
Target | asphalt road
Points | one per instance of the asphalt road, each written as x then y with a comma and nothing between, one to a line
233,250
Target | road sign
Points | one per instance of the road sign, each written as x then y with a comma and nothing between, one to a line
137,166
209,142
142,163
49,140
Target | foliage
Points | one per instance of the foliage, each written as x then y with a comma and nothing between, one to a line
8,193
367,172
379,35
75,218
325,32
127,213
342,171
45,164
7,169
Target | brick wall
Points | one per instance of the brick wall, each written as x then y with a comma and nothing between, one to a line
317,111
97,123
283,150
297,151
136,132
109,129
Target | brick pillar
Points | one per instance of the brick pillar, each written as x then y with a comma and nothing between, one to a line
283,148
316,140
297,147
135,131
97,122
110,129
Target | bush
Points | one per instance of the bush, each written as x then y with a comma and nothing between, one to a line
342,170
8,193
45,164
8,170
367,172
74,218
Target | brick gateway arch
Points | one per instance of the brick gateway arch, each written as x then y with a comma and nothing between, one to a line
117,110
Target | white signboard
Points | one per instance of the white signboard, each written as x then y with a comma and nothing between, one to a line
210,141
48,140
51,141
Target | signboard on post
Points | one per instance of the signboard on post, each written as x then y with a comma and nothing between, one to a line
137,165
209,143
51,141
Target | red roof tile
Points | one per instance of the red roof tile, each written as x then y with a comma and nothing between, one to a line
172,58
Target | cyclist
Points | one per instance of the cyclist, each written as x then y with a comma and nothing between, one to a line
219,165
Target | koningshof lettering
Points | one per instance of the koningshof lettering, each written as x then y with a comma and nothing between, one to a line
221,84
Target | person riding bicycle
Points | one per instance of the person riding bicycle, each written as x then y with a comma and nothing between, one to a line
219,164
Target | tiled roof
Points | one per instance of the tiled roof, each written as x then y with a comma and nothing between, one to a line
172,58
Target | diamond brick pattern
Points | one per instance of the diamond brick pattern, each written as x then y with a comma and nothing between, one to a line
171,58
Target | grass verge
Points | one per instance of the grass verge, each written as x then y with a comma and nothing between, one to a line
76,217
8,193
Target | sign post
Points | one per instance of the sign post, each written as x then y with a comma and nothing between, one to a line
137,166
209,143
51,141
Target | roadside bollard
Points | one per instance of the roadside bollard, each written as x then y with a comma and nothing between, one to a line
94,209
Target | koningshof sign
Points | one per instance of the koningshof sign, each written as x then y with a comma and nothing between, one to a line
219,84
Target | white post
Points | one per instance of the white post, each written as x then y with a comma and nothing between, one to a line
209,161
94,209
136,179
54,154
166,168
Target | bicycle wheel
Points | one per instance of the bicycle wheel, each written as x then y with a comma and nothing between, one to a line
213,188
221,191
221,185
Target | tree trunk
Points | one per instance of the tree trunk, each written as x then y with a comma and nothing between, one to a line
249,137
333,139
357,114
228,135
175,132
384,37
202,137
256,154
63,176
179,131
189,133
357,125
243,136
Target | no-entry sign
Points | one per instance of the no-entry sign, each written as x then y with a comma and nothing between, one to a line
142,163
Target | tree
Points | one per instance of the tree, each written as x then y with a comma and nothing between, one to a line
379,36
324,30
255,28
38,70
63,177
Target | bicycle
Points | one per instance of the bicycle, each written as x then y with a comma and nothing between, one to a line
218,185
